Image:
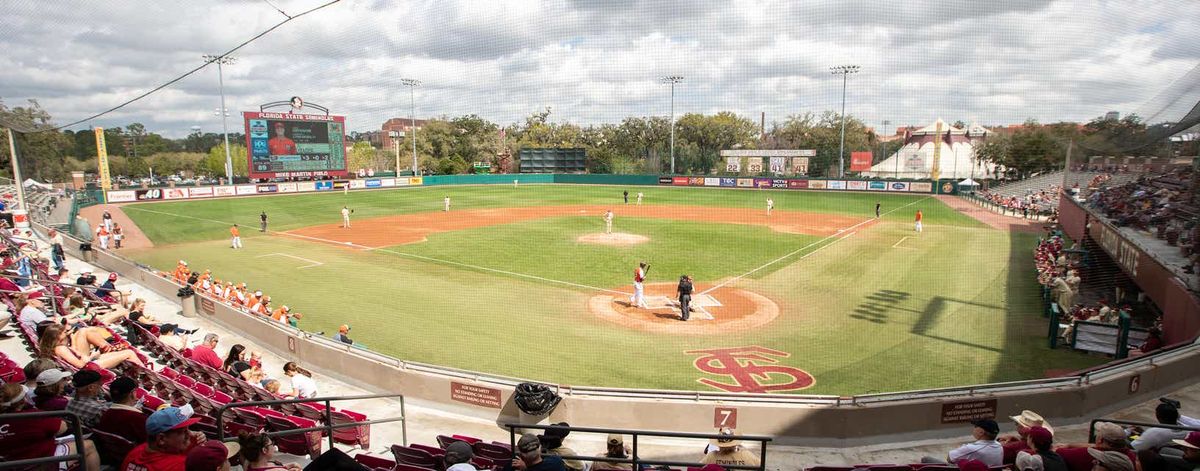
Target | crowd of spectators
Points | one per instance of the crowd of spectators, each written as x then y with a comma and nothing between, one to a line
1163,205
1032,203
236,295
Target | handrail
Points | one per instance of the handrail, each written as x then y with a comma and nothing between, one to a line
1143,425
76,431
329,425
634,460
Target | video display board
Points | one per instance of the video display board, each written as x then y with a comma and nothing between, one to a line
285,145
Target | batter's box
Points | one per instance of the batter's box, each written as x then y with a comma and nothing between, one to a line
705,300
698,305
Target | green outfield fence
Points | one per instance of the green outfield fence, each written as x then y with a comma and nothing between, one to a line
498,179
82,199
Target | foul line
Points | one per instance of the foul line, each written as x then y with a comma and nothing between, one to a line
403,254
806,247
897,244
313,263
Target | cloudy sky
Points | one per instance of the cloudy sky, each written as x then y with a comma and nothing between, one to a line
597,61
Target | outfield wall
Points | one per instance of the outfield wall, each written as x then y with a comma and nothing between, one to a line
794,419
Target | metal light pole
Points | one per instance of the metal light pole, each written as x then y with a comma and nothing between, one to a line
223,60
844,70
12,153
412,85
672,80
396,145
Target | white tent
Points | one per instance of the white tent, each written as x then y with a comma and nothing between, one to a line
968,182
31,183
952,148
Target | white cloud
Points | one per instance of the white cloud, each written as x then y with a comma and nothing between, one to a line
594,62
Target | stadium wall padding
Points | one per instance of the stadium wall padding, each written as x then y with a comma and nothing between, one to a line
827,421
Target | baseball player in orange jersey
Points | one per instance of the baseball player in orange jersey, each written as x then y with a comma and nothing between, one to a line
281,314
237,236
639,276
180,275
918,224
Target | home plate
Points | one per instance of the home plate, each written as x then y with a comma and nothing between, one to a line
699,303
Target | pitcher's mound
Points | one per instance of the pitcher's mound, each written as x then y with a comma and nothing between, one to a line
617,238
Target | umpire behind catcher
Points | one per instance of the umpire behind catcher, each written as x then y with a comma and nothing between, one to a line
685,296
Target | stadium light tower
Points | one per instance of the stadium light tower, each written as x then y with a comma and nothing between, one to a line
672,80
412,85
844,71
224,112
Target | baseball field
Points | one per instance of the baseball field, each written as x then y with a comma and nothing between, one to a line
817,297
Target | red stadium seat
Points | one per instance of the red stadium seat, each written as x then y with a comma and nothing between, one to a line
111,447
374,462
358,435
493,451
415,457
301,444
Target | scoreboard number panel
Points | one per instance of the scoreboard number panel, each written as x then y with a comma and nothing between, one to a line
286,145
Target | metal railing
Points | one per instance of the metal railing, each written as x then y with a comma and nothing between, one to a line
76,432
328,427
634,459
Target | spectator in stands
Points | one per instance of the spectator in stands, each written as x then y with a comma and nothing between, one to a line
1110,460
458,457
1109,437
1156,437
1191,448
22,439
104,314
1184,420
985,448
257,449
211,456
1014,444
616,450
303,386
530,458
235,363
1154,341
124,418
56,249
729,451
169,335
31,311
32,370
272,386
1040,455
5,318
254,375
87,402
168,441
109,292
137,313
343,334
552,444
74,346
50,391
206,354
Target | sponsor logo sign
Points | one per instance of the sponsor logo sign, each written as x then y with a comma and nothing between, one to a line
339,184
966,411
679,181
416,181
374,183
386,182
224,191
762,182
779,183
860,161
664,180
836,184
200,192
324,185
696,181
745,182
306,186
358,184
122,196
150,194
856,185
750,369
898,186
712,181
817,184
947,187
728,182
877,186
287,187
268,188
246,189
922,187
797,184
175,193
475,395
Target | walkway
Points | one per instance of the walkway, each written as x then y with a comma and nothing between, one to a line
997,221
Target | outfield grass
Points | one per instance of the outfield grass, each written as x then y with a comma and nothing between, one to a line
954,305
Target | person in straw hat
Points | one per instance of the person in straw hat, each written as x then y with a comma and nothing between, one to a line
1014,444
729,451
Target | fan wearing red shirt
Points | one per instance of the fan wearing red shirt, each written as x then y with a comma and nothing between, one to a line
169,441
23,439
281,144
205,353
1109,437
124,418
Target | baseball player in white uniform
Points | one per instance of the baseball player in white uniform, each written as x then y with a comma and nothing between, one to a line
446,203
346,216
608,217
639,200
639,276
770,205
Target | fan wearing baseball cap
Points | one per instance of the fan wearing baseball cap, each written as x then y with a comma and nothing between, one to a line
617,450
729,451
530,458
1109,437
124,418
211,456
985,448
1191,447
169,441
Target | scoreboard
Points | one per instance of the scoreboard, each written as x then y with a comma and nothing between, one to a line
286,145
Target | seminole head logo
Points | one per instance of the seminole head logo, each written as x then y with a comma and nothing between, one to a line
753,369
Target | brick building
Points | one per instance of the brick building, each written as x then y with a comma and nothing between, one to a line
399,125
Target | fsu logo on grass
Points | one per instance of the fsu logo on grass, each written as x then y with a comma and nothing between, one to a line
752,369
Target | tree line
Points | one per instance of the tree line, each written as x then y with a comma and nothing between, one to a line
450,145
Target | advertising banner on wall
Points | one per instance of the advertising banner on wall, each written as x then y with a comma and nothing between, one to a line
323,185
388,182
856,185
712,181
224,191
860,161
797,184
754,164
762,182
877,186
287,187
745,182
696,181
733,164
306,186
779,165
268,188
175,193
836,184
728,182
922,187
200,192
102,155
817,184
246,189
898,186
147,195
360,184
415,181
123,196
779,183
373,183
665,180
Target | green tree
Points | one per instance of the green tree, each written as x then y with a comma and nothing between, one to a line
43,153
214,164
823,134
362,156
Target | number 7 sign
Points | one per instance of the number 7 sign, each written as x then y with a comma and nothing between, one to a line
725,417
